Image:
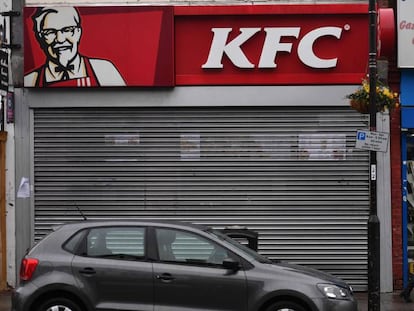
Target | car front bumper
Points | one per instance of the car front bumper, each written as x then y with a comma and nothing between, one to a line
326,304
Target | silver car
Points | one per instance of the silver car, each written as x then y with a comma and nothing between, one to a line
157,266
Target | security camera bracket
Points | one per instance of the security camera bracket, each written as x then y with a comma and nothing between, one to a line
10,46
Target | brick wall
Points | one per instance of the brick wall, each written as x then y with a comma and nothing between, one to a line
396,199
396,178
177,2
396,184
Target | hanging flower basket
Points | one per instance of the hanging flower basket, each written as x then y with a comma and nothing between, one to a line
359,105
386,99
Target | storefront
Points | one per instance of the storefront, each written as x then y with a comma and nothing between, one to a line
220,115
406,63
407,139
407,114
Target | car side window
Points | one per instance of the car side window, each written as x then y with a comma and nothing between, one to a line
72,245
186,247
116,242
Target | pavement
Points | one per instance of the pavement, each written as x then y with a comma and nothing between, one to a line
389,302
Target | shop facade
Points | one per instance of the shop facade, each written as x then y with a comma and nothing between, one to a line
406,64
227,115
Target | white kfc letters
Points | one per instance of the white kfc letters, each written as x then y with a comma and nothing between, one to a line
271,46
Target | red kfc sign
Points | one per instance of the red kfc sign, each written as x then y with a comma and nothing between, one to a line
98,46
271,44
196,45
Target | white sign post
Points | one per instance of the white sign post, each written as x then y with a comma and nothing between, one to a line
374,141
405,31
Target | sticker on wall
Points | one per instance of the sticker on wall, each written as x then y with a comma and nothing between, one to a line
326,147
405,33
190,147
98,46
24,188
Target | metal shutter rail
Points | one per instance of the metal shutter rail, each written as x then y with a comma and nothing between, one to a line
291,174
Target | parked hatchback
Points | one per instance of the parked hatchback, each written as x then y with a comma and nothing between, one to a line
122,265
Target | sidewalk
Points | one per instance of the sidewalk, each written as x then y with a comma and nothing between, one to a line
5,304
389,302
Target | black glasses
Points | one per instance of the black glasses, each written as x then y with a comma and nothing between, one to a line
50,34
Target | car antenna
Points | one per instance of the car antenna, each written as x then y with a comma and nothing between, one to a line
80,211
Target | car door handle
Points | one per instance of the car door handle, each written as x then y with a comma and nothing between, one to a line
166,277
87,271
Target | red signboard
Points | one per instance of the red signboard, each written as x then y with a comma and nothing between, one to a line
98,46
196,45
271,44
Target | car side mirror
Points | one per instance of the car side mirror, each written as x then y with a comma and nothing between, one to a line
231,264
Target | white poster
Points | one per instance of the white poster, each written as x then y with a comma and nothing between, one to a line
405,31
24,188
322,147
190,147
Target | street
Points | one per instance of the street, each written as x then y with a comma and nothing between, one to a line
389,302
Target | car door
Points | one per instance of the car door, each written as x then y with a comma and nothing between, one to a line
189,274
113,270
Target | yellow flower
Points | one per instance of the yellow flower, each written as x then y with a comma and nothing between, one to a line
385,97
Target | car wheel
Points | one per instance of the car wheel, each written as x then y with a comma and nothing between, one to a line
286,306
59,304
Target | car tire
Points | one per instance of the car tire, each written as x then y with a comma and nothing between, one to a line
59,304
286,306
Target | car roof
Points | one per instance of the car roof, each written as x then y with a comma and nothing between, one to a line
149,223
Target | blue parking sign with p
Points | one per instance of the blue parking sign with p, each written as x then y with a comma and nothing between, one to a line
361,135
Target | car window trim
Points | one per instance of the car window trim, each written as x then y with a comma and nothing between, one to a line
151,244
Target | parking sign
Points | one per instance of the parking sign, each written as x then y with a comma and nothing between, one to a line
375,141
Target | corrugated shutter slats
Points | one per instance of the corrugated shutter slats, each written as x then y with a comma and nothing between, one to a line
291,174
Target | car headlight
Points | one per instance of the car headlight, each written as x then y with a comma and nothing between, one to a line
334,292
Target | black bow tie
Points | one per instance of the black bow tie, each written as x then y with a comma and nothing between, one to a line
65,71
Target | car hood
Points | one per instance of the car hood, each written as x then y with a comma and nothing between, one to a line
323,276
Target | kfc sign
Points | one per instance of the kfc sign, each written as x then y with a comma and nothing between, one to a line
127,46
272,45
147,46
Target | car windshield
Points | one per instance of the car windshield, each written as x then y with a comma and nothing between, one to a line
251,253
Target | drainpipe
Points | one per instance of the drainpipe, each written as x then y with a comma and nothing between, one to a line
373,221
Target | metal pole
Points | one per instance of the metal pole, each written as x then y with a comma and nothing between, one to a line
373,221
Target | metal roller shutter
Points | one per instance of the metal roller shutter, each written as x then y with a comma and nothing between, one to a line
293,175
